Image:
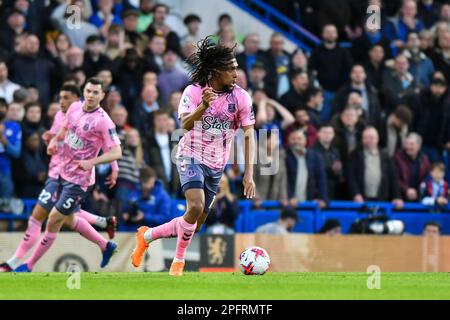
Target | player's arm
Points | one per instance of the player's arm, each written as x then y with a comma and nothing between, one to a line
188,119
249,155
114,153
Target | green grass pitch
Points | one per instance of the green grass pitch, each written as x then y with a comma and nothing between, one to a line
223,286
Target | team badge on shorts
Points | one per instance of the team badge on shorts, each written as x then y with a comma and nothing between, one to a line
191,173
232,107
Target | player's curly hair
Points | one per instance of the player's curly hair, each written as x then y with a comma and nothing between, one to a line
209,58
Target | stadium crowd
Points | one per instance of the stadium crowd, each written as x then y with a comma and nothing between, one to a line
366,123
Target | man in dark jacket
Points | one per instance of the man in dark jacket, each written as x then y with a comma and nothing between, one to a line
296,96
430,111
372,113
158,147
306,172
370,172
251,53
412,167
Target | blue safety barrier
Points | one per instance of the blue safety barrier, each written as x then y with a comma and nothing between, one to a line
311,217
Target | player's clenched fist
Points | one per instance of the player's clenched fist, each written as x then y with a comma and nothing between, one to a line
208,96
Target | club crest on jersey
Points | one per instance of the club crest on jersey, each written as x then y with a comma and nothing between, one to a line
232,107
86,126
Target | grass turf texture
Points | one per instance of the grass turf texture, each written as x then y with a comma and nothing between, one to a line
211,286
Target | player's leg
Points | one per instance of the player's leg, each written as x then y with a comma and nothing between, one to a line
83,227
71,196
46,200
212,182
108,223
191,177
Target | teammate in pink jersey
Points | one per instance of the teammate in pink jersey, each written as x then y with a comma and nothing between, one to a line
212,108
86,129
49,195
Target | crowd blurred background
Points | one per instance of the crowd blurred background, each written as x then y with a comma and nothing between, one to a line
365,122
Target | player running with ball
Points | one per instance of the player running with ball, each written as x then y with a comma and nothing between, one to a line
86,130
212,108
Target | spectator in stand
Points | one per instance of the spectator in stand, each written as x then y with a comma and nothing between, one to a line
150,78
284,225
115,42
432,229
420,66
32,121
331,64
7,87
398,83
370,38
227,37
314,105
130,163
128,74
15,25
428,12
412,167
370,172
59,47
94,57
31,68
133,38
172,107
33,167
257,76
398,28
171,78
277,64
16,112
142,115
375,66
302,122
430,110
348,133
149,205
266,116
52,109
331,158
192,23
119,116
299,62
434,189
158,151
371,109
74,59
153,54
305,171
10,149
396,129
145,15
158,25
224,211
107,13
270,170
441,53
83,30
331,227
295,97
252,53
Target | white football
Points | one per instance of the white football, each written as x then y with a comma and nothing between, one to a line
254,261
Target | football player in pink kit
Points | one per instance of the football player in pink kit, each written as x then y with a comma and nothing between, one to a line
49,195
86,129
212,108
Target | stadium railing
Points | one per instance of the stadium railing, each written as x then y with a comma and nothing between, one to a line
311,217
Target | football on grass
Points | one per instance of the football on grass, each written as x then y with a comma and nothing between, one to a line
254,261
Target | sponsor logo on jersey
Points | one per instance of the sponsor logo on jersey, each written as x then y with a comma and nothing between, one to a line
213,124
74,141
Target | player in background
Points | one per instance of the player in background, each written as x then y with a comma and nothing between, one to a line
49,195
86,129
212,108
